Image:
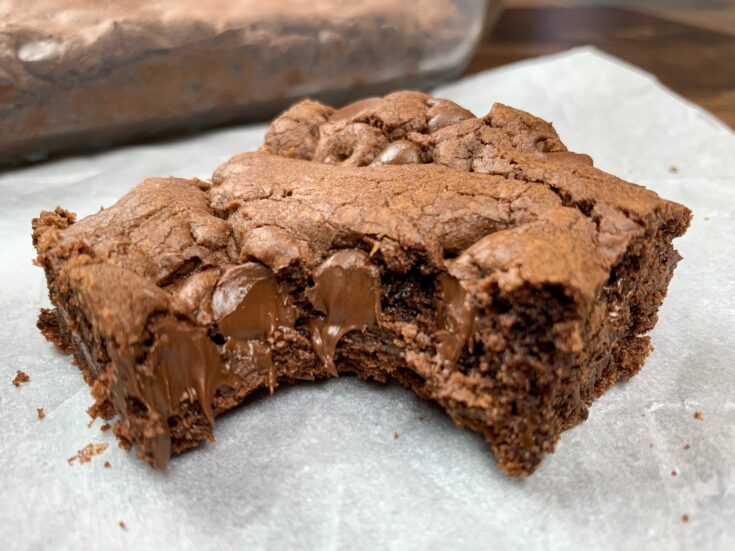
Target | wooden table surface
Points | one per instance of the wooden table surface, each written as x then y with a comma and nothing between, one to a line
696,62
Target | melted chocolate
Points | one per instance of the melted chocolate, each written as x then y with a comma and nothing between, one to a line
455,318
249,305
443,113
347,291
401,152
354,110
185,365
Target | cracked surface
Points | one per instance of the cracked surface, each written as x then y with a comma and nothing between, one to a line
514,282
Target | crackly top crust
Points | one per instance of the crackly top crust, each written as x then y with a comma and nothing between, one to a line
286,213
506,142
530,214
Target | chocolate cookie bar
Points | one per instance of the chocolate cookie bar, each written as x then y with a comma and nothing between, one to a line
512,299
81,74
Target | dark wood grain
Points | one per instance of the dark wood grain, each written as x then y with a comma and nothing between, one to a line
697,63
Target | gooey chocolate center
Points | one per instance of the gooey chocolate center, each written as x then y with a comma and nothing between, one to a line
250,306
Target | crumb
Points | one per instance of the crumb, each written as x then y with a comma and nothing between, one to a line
422,418
396,436
122,525
107,465
650,445
89,425
674,473
40,413
105,427
706,217
20,378
86,454
643,414
673,169
687,446
685,518
698,415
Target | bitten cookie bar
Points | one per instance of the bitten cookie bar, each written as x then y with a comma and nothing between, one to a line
512,300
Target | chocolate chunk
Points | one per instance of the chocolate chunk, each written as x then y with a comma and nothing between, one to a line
354,111
249,305
443,113
455,318
401,152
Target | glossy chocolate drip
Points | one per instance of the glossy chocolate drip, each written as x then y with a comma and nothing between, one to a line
401,152
249,305
354,110
443,112
569,157
185,365
347,291
455,318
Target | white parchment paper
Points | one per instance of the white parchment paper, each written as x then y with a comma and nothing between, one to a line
316,466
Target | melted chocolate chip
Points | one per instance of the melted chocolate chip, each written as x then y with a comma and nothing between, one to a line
186,365
455,319
354,110
401,152
443,112
347,291
249,305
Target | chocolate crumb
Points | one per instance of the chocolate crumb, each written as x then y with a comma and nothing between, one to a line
20,378
86,454
687,446
122,525
89,425
40,413
105,427
673,169
706,217
698,415
107,465
674,473
685,518
396,436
